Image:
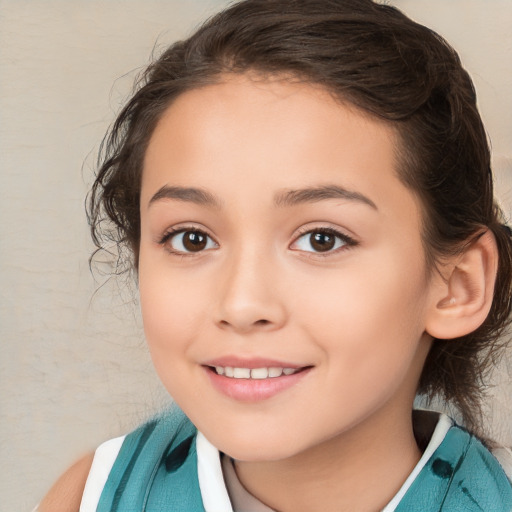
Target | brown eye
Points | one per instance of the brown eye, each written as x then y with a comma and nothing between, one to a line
322,242
194,241
325,240
189,241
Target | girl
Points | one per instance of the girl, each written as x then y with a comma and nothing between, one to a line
306,192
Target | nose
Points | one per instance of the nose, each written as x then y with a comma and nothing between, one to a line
249,298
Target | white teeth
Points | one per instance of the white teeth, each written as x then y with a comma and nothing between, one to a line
259,373
241,373
255,373
275,372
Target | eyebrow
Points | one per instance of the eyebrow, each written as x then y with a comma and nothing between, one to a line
281,199
187,194
320,193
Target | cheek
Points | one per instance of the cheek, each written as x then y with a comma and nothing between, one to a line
170,327
368,313
169,311
370,333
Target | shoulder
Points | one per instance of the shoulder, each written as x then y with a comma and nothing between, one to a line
125,462
504,457
459,474
156,463
475,476
66,493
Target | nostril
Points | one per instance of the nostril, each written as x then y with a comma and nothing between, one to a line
242,326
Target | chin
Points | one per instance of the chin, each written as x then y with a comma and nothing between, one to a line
256,448
256,453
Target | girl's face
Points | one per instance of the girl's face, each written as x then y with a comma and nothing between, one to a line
279,246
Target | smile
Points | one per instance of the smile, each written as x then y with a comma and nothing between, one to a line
254,373
253,380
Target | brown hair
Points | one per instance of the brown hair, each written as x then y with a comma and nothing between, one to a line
376,58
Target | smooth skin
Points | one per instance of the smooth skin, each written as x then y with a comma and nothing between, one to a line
358,315
224,166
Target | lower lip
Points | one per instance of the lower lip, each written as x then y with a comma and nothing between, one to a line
253,390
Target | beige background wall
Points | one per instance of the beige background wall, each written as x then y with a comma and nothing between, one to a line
73,366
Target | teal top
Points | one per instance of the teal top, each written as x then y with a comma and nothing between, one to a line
156,471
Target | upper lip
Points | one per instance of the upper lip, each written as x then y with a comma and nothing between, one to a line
251,363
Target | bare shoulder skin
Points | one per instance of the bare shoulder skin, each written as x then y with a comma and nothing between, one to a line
66,493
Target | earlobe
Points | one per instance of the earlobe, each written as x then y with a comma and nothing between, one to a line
462,298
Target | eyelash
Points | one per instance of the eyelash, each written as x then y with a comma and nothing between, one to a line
172,232
347,241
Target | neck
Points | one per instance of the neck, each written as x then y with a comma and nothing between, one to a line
358,470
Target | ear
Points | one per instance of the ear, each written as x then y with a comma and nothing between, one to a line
462,296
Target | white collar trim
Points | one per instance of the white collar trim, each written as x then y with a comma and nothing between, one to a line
104,459
443,425
211,480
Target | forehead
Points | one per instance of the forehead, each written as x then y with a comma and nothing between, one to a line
248,134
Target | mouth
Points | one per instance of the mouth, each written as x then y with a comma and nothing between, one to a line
253,380
271,372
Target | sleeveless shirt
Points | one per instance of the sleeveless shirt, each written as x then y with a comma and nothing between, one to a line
159,468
